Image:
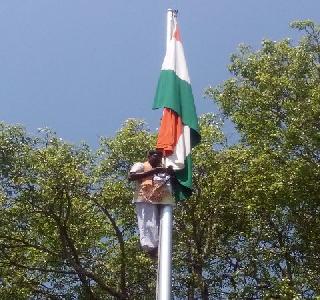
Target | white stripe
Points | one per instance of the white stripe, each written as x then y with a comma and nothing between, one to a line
181,151
175,60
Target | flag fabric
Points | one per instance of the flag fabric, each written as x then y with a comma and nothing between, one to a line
179,130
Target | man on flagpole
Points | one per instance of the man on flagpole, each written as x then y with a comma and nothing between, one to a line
152,190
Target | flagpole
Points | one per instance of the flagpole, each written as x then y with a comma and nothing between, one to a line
165,243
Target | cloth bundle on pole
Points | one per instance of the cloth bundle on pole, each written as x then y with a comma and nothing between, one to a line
179,130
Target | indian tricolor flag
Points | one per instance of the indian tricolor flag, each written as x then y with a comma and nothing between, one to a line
179,130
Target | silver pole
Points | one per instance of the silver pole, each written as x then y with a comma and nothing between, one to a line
165,243
170,15
164,288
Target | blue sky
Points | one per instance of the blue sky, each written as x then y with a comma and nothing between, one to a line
83,67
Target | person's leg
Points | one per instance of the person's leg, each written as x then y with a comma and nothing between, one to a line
148,223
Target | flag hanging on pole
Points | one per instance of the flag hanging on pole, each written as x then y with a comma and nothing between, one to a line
179,130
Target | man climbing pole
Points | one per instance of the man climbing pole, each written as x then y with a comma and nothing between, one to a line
153,188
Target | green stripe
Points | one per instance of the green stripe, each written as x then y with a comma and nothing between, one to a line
183,190
176,94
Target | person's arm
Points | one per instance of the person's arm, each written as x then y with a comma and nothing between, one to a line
172,174
140,175
170,171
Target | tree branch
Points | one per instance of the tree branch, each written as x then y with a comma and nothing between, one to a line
121,245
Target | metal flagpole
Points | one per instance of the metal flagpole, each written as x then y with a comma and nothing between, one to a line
164,269
165,243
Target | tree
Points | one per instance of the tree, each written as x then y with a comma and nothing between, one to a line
69,231
274,101
67,226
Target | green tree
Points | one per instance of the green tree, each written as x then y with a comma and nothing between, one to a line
67,227
273,99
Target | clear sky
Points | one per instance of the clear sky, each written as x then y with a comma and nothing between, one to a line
82,67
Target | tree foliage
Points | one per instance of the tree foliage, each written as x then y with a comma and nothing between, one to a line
273,99
67,227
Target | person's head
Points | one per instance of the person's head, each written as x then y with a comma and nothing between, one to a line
154,158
